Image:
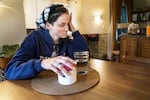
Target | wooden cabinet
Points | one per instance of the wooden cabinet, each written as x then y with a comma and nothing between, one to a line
135,50
144,47
3,62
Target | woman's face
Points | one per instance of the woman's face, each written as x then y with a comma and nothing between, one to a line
59,28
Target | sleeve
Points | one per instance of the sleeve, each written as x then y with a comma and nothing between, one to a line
24,65
78,43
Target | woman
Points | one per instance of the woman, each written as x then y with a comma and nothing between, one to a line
48,47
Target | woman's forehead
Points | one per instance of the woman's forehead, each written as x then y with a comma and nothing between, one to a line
64,18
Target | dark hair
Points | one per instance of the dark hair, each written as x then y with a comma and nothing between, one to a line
56,11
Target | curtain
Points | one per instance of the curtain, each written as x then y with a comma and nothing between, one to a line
114,13
129,5
115,10
123,19
110,39
116,6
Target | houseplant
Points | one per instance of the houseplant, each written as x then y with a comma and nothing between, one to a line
6,52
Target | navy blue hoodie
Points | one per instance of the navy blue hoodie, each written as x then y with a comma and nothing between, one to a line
26,62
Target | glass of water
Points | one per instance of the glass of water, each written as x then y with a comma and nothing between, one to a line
82,59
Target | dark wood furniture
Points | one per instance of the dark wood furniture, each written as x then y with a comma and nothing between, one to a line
118,81
3,62
135,49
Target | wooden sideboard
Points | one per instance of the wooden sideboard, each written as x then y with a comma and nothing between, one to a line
3,62
135,49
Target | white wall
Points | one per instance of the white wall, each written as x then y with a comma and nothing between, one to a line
83,12
75,8
91,8
37,7
12,24
30,11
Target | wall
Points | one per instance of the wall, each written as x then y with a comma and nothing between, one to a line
30,11
12,24
37,7
141,3
91,8
75,7
82,18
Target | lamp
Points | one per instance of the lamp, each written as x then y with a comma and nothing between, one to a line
97,18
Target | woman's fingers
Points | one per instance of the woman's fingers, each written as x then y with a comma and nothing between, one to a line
59,64
67,62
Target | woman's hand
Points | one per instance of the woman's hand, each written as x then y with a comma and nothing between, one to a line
58,64
71,27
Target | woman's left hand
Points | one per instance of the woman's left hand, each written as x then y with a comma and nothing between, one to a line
71,26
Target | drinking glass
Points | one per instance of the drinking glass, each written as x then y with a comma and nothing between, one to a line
82,59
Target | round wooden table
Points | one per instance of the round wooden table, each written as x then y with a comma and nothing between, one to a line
117,82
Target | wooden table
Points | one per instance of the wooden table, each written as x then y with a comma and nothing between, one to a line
117,82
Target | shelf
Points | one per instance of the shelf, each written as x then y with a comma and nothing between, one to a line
141,16
145,21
